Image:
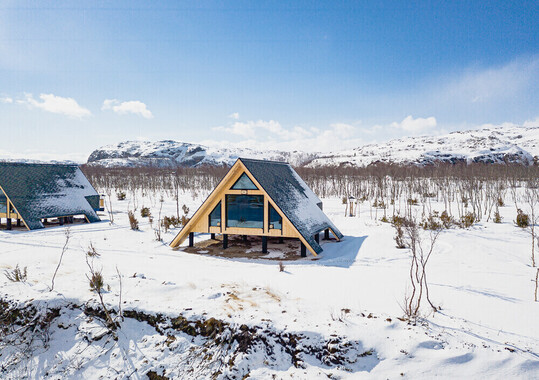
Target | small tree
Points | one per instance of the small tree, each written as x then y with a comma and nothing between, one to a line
67,235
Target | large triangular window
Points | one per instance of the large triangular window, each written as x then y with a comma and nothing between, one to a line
244,183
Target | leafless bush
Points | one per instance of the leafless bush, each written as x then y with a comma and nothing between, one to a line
281,266
398,223
145,212
133,222
97,284
523,219
16,274
421,250
91,251
467,220
121,195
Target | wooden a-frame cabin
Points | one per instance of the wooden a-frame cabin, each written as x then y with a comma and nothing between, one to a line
261,198
32,193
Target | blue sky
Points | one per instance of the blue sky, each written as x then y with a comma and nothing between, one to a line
307,75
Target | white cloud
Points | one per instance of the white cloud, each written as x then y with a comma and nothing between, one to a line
409,124
263,130
56,104
121,108
495,83
532,123
270,134
6,99
234,115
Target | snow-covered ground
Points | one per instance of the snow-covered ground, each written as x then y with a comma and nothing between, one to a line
488,326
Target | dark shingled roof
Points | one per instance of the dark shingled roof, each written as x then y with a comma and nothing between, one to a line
292,195
41,191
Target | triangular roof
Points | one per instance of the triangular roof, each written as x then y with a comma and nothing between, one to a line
289,193
293,197
39,191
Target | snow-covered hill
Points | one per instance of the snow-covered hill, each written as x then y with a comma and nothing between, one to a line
170,153
490,145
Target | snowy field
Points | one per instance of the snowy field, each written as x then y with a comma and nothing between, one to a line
488,325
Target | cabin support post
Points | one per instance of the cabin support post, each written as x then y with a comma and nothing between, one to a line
264,244
326,234
225,241
18,222
212,236
191,239
317,238
281,240
244,238
61,221
8,223
303,250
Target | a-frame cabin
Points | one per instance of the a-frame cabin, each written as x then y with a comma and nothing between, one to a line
32,193
261,198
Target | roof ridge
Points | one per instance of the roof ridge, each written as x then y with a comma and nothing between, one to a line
265,161
21,163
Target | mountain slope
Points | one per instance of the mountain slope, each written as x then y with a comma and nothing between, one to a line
506,144
169,153
488,145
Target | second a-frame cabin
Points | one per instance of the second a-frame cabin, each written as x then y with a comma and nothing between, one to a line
34,194
262,198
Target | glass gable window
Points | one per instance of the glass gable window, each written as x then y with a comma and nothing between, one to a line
244,183
246,211
275,220
3,202
215,216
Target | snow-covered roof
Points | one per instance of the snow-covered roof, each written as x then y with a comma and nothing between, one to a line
292,195
41,191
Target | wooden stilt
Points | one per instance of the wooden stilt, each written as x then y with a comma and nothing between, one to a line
191,239
212,236
281,240
326,234
8,223
244,238
303,250
225,241
18,222
264,244
317,238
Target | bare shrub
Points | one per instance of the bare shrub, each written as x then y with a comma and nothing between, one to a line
97,284
467,220
92,252
497,217
121,195
281,266
145,212
171,221
133,222
523,220
447,221
432,222
421,250
398,223
96,281
16,274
